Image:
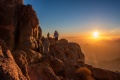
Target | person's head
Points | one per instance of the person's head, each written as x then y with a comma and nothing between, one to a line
55,31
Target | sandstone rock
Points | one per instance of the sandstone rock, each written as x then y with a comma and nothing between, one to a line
63,41
55,63
28,28
69,53
41,71
8,9
33,56
52,40
4,50
84,73
1,53
9,70
20,59
39,32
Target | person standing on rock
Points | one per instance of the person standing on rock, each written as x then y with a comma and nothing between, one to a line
48,35
46,44
56,35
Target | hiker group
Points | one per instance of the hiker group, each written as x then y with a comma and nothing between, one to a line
46,41
56,35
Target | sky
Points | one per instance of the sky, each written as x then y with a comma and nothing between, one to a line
76,18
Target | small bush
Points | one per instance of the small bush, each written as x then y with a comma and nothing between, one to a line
84,73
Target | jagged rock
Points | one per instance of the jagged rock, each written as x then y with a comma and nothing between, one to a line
39,33
8,21
41,71
8,68
28,28
33,56
55,63
20,59
69,53
4,50
63,41
1,54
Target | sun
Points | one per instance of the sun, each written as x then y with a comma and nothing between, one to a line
96,34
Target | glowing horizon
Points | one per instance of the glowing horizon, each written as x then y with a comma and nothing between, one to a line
78,17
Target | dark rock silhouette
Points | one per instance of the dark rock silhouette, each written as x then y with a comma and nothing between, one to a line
22,57
8,20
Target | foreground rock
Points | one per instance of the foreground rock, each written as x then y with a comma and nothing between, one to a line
8,20
70,53
42,71
8,68
101,74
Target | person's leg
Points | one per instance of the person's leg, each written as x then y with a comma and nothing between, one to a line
55,38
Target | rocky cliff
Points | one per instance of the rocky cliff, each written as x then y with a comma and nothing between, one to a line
21,50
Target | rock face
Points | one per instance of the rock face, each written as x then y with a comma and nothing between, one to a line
41,71
19,30
67,52
21,50
8,20
28,28
8,68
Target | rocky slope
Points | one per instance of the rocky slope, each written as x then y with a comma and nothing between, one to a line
21,50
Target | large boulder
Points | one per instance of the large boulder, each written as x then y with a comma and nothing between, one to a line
8,21
21,60
28,28
33,56
41,71
55,63
70,53
8,68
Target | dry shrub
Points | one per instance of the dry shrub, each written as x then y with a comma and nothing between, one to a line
84,73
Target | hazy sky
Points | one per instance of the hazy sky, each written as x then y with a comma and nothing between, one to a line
78,17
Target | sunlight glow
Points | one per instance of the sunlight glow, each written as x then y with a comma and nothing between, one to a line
95,34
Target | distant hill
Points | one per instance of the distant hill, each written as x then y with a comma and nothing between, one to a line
113,65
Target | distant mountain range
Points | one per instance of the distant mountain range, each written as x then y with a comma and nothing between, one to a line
113,65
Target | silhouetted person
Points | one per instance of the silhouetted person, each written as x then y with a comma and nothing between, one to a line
46,44
48,35
56,35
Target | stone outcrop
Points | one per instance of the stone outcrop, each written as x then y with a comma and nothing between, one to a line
28,24
8,20
41,71
69,53
19,30
8,68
